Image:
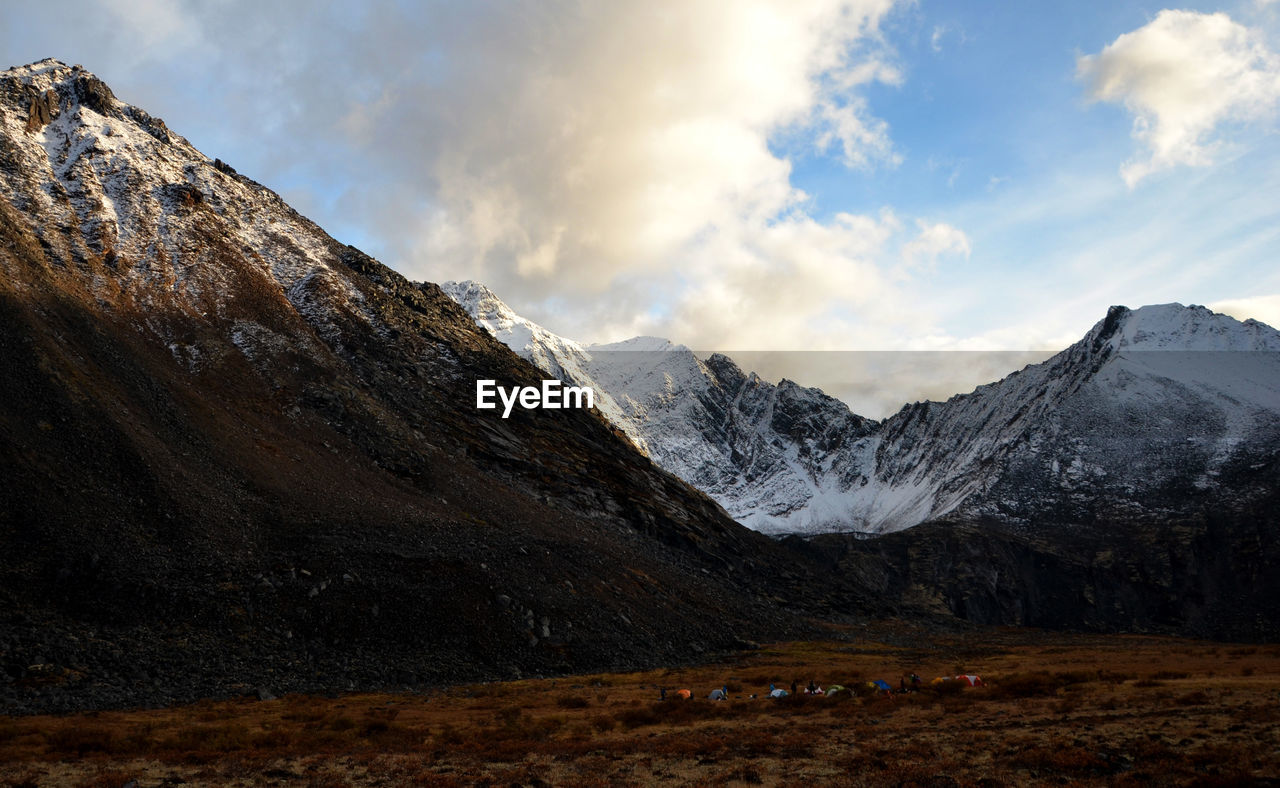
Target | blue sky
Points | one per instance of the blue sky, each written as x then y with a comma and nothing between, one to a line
749,175
998,137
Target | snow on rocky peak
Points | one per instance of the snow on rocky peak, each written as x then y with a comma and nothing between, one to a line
115,189
1103,425
1186,328
561,357
553,354
1150,405
775,457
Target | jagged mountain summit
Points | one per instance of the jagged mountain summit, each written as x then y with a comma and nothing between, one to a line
1155,410
560,357
1131,482
1145,414
237,452
779,459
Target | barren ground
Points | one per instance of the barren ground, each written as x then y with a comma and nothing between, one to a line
1056,710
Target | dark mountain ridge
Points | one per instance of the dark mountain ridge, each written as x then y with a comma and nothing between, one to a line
238,453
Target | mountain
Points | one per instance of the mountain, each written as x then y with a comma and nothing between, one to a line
239,453
1130,483
555,355
779,459
1155,410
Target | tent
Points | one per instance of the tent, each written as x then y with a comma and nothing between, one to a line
835,688
684,694
939,680
972,680
778,693
718,694
881,685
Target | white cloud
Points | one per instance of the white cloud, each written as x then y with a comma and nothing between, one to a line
942,32
863,140
932,242
617,168
612,135
541,261
792,283
1264,309
608,168
1183,76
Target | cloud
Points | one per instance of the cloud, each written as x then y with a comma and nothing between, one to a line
934,241
608,168
791,283
578,147
1264,309
1184,75
944,31
613,168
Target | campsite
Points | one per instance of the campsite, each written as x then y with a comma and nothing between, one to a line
1052,709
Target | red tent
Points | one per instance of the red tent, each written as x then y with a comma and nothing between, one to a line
973,681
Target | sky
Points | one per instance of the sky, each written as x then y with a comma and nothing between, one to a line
746,175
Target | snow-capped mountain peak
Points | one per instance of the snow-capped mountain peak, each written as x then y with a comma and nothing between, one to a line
117,190
1102,423
527,338
771,455
1183,328
641,344
553,354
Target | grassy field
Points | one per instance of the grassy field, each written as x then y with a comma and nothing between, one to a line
1056,710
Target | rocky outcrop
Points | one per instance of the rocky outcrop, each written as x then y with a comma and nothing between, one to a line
42,108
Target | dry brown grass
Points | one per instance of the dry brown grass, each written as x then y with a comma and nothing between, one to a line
1061,710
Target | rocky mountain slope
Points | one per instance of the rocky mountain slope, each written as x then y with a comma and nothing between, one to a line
1130,483
1208,571
236,453
1147,414
1153,413
778,458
